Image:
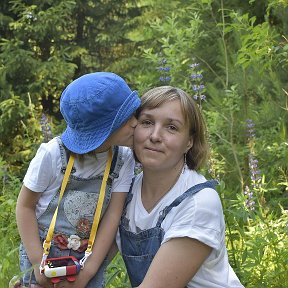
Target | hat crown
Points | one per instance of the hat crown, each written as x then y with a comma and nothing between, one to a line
91,98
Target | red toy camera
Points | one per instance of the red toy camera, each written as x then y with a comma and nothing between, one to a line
61,268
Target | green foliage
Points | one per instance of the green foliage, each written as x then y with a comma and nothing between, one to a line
15,119
116,276
9,243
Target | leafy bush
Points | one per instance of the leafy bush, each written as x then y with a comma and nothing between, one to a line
10,187
231,57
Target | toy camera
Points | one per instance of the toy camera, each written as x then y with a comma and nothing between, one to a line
61,268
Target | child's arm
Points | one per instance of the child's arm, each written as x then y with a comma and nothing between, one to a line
112,252
105,237
28,230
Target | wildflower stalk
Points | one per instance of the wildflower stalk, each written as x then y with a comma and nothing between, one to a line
197,84
164,70
252,193
46,128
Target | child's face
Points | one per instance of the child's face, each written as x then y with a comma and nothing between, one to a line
124,135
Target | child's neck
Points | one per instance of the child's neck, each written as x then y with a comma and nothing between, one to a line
103,148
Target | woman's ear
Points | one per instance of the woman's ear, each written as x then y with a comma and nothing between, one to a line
189,144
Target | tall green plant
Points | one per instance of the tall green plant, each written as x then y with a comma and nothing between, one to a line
10,186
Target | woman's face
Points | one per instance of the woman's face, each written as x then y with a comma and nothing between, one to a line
162,137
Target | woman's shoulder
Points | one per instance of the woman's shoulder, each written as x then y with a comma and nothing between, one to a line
208,192
204,203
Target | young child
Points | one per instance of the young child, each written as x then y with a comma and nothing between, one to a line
99,111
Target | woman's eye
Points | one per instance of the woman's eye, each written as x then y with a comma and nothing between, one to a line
172,128
145,122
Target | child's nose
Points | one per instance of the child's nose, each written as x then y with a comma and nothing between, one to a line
133,122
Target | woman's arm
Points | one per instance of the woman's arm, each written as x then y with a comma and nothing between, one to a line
28,230
105,238
175,263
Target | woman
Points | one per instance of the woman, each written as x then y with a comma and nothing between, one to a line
172,229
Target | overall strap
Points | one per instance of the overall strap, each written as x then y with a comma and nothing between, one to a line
64,155
191,191
114,161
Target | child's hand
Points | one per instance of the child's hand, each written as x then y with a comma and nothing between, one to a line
42,279
80,282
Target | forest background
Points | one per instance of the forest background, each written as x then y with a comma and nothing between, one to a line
231,56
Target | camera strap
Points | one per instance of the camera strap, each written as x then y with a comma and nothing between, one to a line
95,224
97,214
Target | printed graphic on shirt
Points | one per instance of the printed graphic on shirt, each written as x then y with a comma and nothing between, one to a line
79,209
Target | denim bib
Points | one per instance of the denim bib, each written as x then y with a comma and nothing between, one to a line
75,215
139,249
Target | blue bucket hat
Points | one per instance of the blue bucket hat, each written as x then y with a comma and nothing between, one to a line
94,106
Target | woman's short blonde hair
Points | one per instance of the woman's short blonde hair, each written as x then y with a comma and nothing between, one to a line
198,153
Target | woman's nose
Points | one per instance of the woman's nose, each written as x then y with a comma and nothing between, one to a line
155,135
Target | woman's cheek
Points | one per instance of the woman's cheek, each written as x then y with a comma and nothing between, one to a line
139,134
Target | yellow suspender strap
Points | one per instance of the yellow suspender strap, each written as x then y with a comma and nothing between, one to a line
98,210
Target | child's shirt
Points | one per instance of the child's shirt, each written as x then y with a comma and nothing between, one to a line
44,172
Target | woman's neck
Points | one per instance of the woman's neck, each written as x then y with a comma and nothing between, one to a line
155,185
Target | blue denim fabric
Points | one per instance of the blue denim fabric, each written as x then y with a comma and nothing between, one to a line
139,249
81,194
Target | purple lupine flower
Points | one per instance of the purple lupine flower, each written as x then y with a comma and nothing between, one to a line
250,129
249,199
196,85
255,173
165,78
197,88
194,65
196,76
46,128
164,69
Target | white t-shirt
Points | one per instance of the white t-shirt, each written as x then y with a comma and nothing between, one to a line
199,217
44,172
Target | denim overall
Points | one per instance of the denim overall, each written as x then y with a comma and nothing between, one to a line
139,249
75,215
